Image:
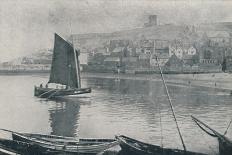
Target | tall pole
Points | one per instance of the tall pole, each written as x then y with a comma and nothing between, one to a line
170,102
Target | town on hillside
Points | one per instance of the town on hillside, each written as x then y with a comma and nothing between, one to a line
202,48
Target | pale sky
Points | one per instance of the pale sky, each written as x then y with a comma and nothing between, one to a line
29,25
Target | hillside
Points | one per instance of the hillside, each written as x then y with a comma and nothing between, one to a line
162,32
43,57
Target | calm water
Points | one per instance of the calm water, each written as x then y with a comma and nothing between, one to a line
131,107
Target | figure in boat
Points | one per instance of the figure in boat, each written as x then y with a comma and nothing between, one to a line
65,70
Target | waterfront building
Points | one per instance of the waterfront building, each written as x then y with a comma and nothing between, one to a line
219,38
174,64
191,51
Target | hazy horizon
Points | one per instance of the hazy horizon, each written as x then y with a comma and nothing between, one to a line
27,26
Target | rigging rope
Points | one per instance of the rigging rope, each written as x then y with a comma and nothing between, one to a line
213,135
228,127
170,102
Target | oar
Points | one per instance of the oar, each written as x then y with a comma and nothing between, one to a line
46,92
53,94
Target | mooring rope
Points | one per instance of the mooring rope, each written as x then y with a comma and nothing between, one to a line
170,102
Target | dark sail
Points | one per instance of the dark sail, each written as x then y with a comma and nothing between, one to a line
63,69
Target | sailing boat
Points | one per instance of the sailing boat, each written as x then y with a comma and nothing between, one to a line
65,70
225,144
133,146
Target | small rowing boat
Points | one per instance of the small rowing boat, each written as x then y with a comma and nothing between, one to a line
135,147
52,144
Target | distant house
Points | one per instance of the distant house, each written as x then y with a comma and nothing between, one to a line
182,51
147,46
219,38
174,64
172,50
190,59
191,51
138,50
179,52
208,61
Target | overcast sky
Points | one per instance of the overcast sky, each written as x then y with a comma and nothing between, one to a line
29,25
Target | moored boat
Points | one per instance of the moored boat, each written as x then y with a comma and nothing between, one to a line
69,145
28,137
53,144
135,147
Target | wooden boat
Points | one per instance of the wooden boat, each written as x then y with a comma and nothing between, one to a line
65,70
225,144
53,144
135,147
38,146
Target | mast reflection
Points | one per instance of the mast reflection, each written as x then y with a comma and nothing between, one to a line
64,117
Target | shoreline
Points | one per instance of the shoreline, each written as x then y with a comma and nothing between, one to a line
221,82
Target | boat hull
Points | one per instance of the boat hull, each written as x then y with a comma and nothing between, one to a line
135,147
225,148
20,147
51,92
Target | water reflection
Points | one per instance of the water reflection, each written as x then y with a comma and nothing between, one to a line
64,116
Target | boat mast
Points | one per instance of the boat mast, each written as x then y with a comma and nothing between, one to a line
170,102
76,60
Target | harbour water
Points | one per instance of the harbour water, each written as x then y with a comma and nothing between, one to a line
134,107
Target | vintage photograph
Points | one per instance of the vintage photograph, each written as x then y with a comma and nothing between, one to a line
115,77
